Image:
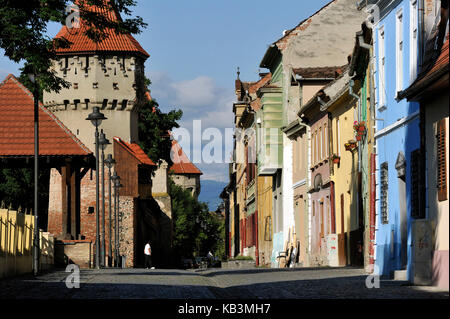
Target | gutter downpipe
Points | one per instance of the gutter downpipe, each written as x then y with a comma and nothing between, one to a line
352,83
368,47
421,25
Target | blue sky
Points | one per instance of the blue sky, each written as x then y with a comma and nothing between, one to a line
195,48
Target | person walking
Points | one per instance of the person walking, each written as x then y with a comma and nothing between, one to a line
148,255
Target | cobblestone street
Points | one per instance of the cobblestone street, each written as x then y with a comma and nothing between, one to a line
323,283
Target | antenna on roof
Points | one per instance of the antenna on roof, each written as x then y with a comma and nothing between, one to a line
238,73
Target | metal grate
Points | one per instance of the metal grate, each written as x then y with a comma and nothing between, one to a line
384,193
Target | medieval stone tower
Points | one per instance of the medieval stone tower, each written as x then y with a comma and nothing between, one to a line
108,75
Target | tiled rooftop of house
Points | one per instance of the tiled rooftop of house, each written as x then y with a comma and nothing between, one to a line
115,42
181,163
17,126
135,150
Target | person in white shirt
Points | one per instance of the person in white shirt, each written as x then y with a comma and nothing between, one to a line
148,255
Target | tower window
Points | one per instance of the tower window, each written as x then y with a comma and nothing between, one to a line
86,69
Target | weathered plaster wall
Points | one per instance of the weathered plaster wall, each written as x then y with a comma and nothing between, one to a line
437,210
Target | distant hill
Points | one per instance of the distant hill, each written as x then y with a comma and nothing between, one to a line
210,193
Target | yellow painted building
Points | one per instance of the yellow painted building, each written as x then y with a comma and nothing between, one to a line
265,222
16,243
344,176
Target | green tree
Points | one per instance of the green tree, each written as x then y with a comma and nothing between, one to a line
196,230
16,185
23,28
154,127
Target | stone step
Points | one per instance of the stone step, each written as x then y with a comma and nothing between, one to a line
400,275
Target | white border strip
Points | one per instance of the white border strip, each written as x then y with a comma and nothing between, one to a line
396,125
300,183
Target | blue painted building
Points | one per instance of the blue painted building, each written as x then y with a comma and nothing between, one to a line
397,135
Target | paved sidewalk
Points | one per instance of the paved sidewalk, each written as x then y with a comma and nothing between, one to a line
307,283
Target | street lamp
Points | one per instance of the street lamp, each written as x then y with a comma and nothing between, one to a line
96,119
110,163
103,143
36,247
116,179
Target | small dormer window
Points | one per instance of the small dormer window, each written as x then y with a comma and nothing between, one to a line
66,65
86,69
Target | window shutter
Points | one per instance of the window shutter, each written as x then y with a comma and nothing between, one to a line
417,198
441,160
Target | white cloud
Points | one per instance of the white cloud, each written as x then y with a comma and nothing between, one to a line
197,92
202,99
199,99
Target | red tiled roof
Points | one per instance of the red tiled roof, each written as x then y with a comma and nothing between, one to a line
181,163
17,126
442,59
115,42
135,150
263,81
435,78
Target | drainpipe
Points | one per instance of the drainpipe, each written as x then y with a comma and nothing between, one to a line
308,182
321,102
352,83
421,27
363,44
372,220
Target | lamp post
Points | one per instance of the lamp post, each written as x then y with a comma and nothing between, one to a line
115,178
103,143
110,163
36,245
96,119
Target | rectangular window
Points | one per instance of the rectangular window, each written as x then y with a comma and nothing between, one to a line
314,148
441,158
322,221
384,193
417,198
321,145
382,69
338,132
325,141
399,50
86,70
414,40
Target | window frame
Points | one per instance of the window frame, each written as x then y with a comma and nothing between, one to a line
382,68
414,40
399,49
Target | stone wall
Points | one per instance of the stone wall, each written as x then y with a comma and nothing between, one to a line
73,252
127,229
